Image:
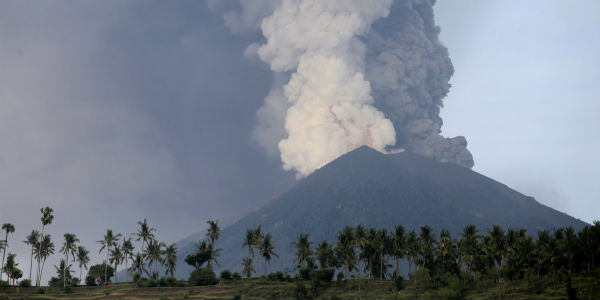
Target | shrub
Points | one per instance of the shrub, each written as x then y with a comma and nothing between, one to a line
162,282
181,283
137,276
90,281
226,274
236,276
3,283
41,290
171,281
143,282
340,276
152,283
454,290
237,297
68,289
203,276
300,292
25,283
75,281
399,283
325,275
304,273
275,276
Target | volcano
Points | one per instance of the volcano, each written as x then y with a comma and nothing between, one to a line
378,190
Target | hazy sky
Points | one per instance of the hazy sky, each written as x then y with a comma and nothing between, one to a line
112,111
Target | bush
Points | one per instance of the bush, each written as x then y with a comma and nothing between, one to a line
301,292
226,274
75,281
203,276
237,297
137,276
41,290
171,281
236,276
399,283
3,283
340,276
325,275
68,289
275,276
304,273
142,282
454,290
90,281
25,283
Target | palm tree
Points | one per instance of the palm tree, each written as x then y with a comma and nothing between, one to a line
412,248
32,240
68,247
137,264
10,266
109,241
127,249
170,259
446,252
258,236
498,246
213,232
116,258
8,228
469,245
266,250
144,233
360,240
63,269
344,249
46,219
399,240
153,253
303,250
83,258
325,255
382,246
249,241
247,267
42,252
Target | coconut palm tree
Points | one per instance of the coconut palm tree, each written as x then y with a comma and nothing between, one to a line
361,243
8,228
69,247
116,258
109,241
303,250
83,259
399,246
127,249
469,246
63,269
258,236
344,249
46,219
325,255
266,250
412,248
446,252
247,267
214,232
137,264
170,259
249,241
42,252
153,254
10,265
145,233
32,239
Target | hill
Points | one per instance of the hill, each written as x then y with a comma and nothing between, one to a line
376,190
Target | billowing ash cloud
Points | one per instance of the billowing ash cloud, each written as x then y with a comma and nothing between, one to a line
343,71
409,70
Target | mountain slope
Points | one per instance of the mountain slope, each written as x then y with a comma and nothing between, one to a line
367,187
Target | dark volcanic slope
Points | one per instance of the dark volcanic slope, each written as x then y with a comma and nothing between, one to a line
377,190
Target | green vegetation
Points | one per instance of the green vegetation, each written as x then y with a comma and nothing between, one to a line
365,263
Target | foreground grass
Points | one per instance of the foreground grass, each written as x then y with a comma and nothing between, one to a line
587,287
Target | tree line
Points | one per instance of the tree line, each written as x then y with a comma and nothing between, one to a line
119,250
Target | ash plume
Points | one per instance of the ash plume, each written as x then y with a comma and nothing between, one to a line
350,73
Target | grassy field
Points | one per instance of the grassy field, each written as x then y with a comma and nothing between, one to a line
586,287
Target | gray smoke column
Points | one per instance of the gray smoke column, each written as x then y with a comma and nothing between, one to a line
350,73
409,70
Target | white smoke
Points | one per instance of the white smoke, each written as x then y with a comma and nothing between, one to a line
330,105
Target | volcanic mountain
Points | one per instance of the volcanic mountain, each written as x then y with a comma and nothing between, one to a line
377,190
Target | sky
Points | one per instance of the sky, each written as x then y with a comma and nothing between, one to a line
115,111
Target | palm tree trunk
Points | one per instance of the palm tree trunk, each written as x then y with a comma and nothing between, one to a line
65,271
397,266
265,267
126,273
3,254
116,277
381,267
42,269
106,266
37,276
80,271
30,263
